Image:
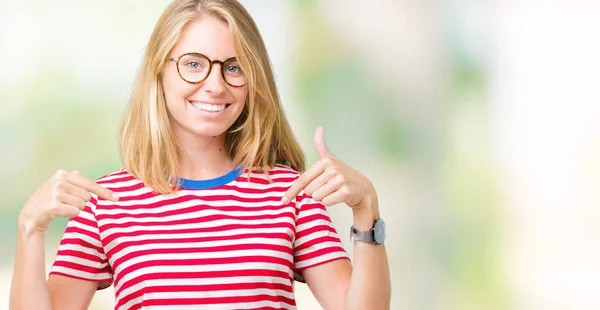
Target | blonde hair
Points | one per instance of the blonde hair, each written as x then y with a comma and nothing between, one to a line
260,138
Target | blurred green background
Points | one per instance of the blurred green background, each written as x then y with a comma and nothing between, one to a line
477,121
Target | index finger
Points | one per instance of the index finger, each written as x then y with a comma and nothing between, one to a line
91,186
303,181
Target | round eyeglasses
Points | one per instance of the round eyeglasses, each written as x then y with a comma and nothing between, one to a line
194,68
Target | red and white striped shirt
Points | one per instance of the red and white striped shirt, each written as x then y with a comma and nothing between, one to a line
223,243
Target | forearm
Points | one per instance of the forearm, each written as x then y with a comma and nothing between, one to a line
369,286
28,288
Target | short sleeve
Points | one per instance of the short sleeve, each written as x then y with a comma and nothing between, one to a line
80,253
316,241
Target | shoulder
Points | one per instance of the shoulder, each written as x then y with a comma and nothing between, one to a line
118,179
283,171
276,179
282,178
276,174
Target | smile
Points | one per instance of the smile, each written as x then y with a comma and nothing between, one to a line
209,107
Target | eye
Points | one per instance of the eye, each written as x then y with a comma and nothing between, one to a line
233,69
193,64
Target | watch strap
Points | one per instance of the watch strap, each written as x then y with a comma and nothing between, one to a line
363,236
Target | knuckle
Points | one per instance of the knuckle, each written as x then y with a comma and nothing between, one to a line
346,193
309,191
326,161
61,185
344,190
333,171
70,213
59,212
302,182
54,209
88,185
330,160
56,193
61,173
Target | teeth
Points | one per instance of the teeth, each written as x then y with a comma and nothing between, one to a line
209,107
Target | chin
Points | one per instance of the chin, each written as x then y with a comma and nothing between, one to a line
209,132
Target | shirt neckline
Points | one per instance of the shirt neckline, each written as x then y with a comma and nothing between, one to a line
211,183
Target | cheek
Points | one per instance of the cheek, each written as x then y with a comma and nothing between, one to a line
173,89
168,87
241,95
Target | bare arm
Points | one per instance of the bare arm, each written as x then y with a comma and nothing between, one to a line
335,284
63,194
29,273
70,293
29,289
370,286
366,285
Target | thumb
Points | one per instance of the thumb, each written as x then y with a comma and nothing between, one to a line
320,145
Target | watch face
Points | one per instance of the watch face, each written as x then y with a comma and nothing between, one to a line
379,231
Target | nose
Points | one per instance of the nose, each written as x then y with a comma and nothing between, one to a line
214,82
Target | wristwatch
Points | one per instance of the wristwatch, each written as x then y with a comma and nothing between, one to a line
376,235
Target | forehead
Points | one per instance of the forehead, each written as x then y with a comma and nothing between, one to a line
208,35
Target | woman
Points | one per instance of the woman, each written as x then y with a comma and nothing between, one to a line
209,210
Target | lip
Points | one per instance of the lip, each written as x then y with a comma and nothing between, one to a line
210,102
209,114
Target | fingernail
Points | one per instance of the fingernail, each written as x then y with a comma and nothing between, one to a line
115,196
284,199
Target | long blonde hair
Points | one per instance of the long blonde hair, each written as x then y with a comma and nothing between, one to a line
260,138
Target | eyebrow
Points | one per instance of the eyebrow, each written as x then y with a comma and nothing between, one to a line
228,58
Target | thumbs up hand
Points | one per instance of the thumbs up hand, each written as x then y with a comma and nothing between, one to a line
330,181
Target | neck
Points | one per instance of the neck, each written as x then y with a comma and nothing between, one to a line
204,158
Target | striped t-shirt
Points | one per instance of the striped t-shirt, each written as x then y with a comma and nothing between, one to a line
223,243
